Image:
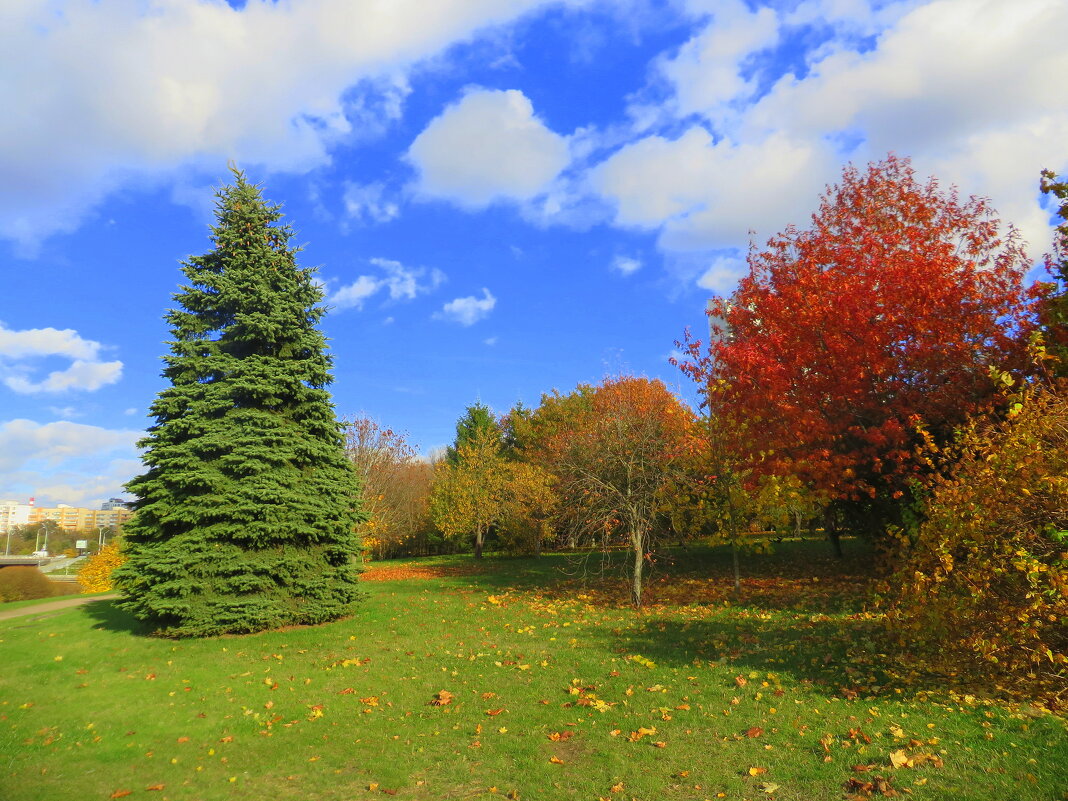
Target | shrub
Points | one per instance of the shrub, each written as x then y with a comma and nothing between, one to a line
984,586
95,575
24,583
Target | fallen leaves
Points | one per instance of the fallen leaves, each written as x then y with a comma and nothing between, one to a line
901,759
642,731
862,788
442,698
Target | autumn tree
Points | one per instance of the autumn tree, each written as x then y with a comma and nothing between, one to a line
1055,307
482,490
536,436
245,514
396,486
95,573
984,587
615,456
888,310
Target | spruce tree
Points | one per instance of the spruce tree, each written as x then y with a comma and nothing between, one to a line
478,421
246,512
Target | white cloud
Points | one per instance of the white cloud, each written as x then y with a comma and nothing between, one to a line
353,295
19,350
468,310
722,274
707,71
96,93
65,462
490,341
24,443
46,342
971,90
486,147
704,194
367,203
626,264
398,281
66,412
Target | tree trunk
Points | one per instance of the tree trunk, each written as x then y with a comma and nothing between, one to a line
737,571
478,543
732,521
637,541
833,534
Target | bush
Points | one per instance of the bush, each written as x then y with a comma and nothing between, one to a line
95,575
24,583
984,586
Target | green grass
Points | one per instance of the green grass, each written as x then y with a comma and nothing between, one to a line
90,706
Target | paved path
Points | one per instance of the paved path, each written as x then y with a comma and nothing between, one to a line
52,606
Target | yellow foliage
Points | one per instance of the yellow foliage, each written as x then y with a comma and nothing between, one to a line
95,575
984,579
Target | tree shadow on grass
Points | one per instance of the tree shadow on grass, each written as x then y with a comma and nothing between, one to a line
107,616
796,576
841,655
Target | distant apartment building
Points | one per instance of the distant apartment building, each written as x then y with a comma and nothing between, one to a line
13,513
70,518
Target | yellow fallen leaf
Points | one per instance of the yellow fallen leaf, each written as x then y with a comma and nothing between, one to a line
556,760
757,771
899,759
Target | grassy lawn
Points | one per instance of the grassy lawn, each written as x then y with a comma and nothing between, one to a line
558,691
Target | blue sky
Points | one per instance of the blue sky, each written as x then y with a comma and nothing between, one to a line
503,196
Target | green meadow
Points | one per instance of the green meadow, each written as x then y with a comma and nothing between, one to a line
520,679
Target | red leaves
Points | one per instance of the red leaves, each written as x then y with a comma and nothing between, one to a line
844,333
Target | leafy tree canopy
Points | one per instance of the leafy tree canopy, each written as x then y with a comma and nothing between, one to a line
890,309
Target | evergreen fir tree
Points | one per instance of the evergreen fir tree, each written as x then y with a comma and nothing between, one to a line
477,422
246,512
1055,309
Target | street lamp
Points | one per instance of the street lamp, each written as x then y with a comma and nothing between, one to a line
101,539
37,542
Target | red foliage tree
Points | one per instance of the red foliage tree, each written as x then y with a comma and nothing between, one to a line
889,310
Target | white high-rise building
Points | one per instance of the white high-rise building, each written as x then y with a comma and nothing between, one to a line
14,513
